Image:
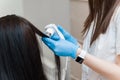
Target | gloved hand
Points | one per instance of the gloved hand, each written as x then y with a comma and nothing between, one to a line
61,47
67,35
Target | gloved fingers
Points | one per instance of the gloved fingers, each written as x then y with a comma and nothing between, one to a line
63,31
55,36
49,42
67,35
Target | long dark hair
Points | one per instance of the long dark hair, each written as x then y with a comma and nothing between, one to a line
100,11
19,50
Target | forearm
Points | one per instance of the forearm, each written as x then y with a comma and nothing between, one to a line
108,69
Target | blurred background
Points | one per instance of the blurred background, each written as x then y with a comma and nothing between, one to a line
70,14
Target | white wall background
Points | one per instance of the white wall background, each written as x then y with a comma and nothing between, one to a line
42,12
11,7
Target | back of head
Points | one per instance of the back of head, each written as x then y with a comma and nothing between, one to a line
19,50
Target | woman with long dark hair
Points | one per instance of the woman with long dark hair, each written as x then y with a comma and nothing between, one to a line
19,51
101,47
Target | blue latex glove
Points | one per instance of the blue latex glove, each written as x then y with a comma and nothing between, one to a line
61,47
67,36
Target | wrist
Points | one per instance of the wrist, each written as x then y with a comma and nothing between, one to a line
78,51
80,55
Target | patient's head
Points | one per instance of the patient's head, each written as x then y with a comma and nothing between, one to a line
19,50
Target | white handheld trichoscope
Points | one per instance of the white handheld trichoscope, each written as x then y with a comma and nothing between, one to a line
49,31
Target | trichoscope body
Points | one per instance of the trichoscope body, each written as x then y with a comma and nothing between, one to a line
51,29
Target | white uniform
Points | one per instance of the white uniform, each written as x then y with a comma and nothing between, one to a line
106,47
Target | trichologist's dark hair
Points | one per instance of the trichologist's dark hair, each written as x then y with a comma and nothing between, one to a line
19,50
100,14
